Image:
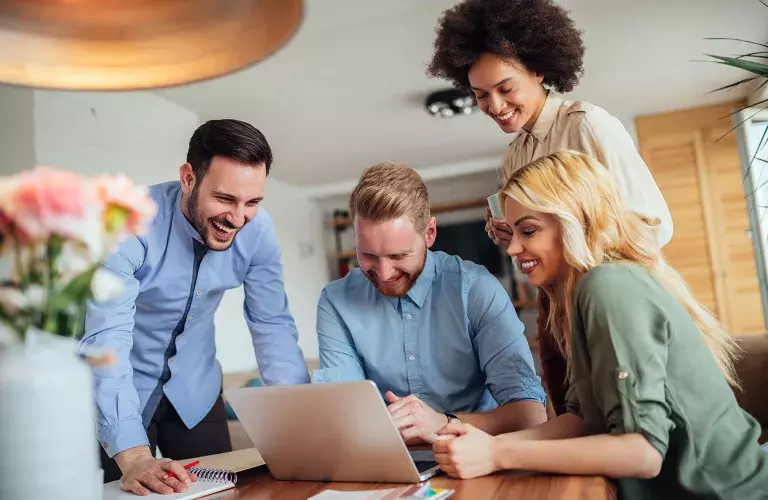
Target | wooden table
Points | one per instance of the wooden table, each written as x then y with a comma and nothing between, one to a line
258,484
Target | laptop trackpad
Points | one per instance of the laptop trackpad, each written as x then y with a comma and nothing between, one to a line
422,455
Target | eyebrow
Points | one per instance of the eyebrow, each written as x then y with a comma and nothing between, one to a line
390,255
225,195
497,85
523,219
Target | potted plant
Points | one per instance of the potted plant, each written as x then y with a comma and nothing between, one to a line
56,227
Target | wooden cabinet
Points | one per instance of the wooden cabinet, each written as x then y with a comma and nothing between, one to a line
696,165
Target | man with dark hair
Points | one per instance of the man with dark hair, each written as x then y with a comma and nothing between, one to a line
209,236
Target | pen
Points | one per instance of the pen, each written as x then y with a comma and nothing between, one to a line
187,467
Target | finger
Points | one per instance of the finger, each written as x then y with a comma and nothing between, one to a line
501,226
154,484
487,214
456,429
178,470
441,458
390,396
174,483
405,422
450,470
402,402
402,412
134,487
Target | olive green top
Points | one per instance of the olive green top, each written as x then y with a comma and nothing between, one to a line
640,366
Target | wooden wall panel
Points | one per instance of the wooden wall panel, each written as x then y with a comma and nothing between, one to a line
697,169
672,161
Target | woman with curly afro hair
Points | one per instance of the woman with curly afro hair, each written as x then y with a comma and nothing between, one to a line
514,55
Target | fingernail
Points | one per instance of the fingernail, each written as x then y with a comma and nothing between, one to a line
187,482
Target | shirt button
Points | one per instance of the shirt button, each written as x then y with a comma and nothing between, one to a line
170,361
411,358
408,316
199,292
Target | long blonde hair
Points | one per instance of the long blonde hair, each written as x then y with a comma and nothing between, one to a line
597,228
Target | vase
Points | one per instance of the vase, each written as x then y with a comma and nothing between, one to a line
48,446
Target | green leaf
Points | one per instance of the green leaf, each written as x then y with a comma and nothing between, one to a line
732,85
79,288
755,67
736,40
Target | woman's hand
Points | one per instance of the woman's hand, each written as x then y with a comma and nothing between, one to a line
498,230
469,453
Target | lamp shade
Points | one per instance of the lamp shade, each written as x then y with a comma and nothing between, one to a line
137,44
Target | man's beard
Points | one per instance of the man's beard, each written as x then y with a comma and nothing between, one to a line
202,225
403,284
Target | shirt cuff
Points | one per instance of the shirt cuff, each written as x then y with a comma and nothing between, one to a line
336,374
123,436
534,395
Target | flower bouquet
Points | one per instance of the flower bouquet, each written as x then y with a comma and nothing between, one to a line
56,227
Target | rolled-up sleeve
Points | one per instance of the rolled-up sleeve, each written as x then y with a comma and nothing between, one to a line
109,327
499,341
339,360
626,338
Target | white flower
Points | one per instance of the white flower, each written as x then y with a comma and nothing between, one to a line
106,285
13,300
74,260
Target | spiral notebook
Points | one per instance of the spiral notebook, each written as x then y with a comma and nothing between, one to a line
209,481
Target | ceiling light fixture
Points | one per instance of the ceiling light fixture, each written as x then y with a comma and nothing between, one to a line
137,44
450,102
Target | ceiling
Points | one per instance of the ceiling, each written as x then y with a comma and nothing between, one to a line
347,91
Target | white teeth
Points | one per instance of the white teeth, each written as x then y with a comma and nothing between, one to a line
506,116
222,228
529,264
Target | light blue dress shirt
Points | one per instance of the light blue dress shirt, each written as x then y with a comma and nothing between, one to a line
162,330
454,340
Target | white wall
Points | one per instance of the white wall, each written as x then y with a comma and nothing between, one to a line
145,136
299,227
17,143
138,133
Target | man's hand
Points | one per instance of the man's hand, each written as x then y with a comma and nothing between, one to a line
416,421
144,474
498,230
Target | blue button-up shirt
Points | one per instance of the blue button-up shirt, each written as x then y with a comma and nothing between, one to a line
162,330
454,340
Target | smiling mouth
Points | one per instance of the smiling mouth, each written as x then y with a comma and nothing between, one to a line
508,115
528,266
223,230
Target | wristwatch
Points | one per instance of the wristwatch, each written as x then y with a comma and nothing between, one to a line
452,419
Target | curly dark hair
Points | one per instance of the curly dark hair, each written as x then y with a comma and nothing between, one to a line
537,33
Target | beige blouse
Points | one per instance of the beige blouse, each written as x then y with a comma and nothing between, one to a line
584,127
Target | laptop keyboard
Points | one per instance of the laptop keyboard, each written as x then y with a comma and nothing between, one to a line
424,465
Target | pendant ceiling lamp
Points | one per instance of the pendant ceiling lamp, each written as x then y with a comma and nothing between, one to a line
137,44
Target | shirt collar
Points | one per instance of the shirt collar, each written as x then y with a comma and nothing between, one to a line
547,117
181,220
420,289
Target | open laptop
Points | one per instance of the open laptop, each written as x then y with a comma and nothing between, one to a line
328,432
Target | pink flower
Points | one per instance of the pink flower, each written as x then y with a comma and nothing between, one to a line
129,208
46,201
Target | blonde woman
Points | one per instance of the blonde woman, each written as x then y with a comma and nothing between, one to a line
649,368
515,56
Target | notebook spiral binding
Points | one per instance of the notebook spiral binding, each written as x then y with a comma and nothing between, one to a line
214,475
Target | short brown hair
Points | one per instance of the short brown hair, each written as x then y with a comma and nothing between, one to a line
388,191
